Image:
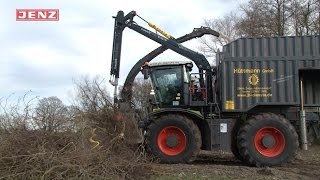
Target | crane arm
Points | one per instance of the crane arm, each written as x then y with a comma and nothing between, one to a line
121,22
126,92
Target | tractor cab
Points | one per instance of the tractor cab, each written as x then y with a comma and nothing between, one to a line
173,84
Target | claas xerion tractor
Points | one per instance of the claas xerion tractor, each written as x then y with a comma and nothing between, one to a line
254,102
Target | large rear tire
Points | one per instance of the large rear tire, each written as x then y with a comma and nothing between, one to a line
267,140
173,139
312,137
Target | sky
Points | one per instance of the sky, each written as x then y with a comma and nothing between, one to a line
47,57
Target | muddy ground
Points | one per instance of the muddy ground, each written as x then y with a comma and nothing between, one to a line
225,166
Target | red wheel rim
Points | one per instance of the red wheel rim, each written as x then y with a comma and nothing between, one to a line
173,132
277,146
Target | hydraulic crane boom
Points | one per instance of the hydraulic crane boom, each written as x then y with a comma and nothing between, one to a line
121,22
126,92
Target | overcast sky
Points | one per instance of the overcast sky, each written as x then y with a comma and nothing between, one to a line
45,57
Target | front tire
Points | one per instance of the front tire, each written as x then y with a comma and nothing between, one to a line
173,139
267,140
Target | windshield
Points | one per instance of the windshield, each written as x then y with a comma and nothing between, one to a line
168,84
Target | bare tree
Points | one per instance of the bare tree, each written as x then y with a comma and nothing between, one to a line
317,18
280,17
304,16
16,115
312,9
51,114
279,12
265,18
305,26
257,18
295,9
252,23
94,105
92,94
96,110
226,26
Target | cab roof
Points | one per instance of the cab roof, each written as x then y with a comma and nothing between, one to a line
168,63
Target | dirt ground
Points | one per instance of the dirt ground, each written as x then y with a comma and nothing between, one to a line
225,166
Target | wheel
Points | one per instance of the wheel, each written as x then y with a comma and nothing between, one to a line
173,139
267,140
312,137
234,144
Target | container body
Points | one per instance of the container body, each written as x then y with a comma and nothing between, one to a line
267,71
